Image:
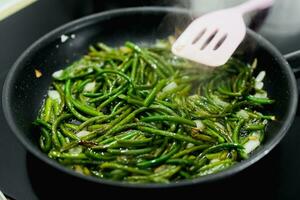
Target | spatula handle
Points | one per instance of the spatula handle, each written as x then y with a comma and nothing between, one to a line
252,5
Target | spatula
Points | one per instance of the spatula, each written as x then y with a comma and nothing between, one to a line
212,38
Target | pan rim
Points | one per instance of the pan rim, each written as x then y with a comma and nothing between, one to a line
7,88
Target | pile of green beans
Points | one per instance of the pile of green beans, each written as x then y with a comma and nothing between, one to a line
142,115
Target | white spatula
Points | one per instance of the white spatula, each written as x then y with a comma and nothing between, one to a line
212,38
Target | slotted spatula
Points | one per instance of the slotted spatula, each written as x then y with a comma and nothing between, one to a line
212,38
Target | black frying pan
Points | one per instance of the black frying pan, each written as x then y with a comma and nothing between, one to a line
23,92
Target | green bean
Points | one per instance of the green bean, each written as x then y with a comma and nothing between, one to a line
215,134
133,46
169,118
71,126
61,138
156,161
164,64
125,168
56,154
84,108
228,93
203,137
104,47
129,117
114,123
180,161
100,98
151,117
92,94
167,173
217,128
121,128
259,100
215,167
45,140
134,68
168,93
146,179
81,86
100,119
47,109
62,97
150,98
130,152
131,143
56,108
42,123
161,72
74,111
236,131
220,147
126,65
190,150
170,134
112,98
253,127
99,156
131,100
54,129
95,127
68,133
112,142
74,161
163,109
185,175
100,72
142,72
162,147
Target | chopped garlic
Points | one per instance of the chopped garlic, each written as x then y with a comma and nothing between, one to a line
89,70
189,145
260,77
76,150
82,133
214,160
38,73
64,38
89,87
219,101
251,145
259,85
242,114
58,73
169,87
199,125
253,137
260,94
54,95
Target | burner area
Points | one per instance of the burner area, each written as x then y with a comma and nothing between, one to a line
23,176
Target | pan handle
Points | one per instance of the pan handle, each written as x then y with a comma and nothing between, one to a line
293,59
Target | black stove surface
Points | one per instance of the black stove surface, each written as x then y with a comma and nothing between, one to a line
22,176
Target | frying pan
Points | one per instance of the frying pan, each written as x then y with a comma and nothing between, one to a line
23,93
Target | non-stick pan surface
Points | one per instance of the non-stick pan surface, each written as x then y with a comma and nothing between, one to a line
23,92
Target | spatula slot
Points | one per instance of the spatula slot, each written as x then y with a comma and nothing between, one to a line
210,38
220,42
201,33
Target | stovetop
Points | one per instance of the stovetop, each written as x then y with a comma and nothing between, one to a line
22,176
